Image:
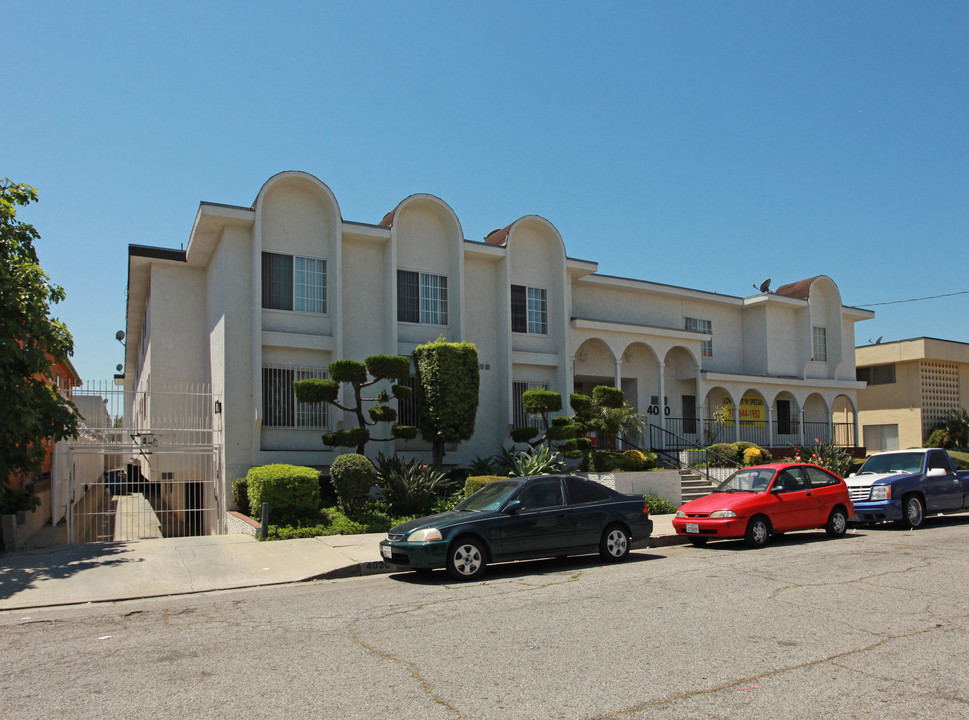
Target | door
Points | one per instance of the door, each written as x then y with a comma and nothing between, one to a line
796,507
541,525
942,492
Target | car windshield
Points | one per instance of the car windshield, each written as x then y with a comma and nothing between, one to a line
490,497
747,480
893,462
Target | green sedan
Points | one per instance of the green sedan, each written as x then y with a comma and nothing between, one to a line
517,519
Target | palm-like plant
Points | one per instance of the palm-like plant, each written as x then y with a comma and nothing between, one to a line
621,421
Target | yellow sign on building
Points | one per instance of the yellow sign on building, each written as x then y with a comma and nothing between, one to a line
753,412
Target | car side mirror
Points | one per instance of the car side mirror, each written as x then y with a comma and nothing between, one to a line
512,507
852,475
936,472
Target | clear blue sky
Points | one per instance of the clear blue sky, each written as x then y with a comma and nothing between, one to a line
710,145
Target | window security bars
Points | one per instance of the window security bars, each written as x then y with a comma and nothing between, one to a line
422,298
519,417
293,283
279,406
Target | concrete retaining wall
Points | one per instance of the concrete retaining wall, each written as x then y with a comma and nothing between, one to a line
662,483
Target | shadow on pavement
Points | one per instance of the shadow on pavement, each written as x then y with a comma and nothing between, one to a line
21,571
523,568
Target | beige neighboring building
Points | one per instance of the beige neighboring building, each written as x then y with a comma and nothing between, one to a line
912,385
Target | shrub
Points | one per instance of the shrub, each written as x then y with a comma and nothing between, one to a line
658,505
940,438
293,492
409,486
607,461
240,495
640,460
828,456
743,446
476,482
722,455
752,456
352,476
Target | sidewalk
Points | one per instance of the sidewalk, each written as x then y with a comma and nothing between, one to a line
76,574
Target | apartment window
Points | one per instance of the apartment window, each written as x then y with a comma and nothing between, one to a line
279,406
529,310
421,298
520,417
702,326
820,344
291,282
877,374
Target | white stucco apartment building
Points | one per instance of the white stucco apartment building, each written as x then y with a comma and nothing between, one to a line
266,294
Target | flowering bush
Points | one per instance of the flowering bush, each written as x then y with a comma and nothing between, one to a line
752,456
827,455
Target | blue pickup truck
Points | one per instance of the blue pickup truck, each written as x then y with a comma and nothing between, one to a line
907,485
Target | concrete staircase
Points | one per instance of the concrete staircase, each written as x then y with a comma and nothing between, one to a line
694,485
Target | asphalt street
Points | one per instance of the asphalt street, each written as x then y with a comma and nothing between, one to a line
872,625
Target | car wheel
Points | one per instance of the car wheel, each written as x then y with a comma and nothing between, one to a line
913,513
466,559
614,545
758,532
837,524
698,542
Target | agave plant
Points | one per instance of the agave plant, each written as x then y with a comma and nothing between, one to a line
409,486
541,460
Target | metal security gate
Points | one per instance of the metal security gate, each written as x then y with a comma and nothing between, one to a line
144,493
145,465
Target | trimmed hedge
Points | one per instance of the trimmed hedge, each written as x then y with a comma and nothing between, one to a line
352,476
240,495
628,461
293,492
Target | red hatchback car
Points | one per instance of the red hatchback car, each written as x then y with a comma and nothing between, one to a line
757,502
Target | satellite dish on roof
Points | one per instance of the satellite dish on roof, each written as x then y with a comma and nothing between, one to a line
119,367
119,336
764,286
875,342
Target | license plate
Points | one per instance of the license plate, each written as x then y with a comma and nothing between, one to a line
385,551
692,528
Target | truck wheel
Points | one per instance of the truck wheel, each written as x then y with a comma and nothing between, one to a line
913,513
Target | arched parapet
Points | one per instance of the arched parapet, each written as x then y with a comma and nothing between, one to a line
297,213
426,232
824,326
427,240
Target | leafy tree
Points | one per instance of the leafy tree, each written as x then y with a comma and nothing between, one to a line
31,411
355,374
447,393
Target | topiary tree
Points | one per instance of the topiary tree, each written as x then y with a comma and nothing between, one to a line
360,375
352,476
606,412
447,393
